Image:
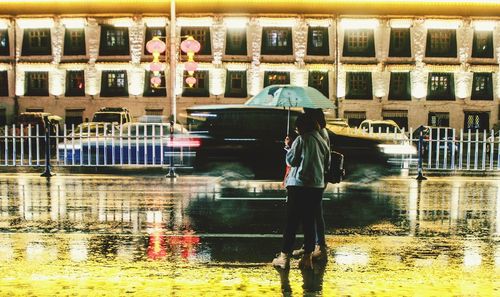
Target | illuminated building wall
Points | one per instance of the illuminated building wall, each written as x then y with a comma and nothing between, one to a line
257,63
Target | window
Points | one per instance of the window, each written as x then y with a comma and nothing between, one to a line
37,84
359,85
482,44
114,41
400,86
439,119
319,81
354,118
202,35
400,43
317,41
114,84
73,117
200,88
74,42
75,83
4,84
236,84
276,78
398,116
35,109
358,43
440,86
3,117
36,42
4,43
477,120
236,41
441,43
150,90
154,32
276,41
482,86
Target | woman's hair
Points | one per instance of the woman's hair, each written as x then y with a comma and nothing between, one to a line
318,115
305,123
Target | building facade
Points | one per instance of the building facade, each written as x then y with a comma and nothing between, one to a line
415,70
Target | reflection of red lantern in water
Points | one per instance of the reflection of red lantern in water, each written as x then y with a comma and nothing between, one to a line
187,242
156,248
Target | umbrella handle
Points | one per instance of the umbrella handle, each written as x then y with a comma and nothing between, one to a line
288,123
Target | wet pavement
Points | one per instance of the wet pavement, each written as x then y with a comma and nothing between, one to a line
215,236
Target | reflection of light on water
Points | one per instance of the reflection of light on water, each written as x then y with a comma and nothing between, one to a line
6,251
125,253
497,217
351,256
36,251
78,250
472,255
412,206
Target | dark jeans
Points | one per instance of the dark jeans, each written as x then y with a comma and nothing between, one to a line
301,207
319,223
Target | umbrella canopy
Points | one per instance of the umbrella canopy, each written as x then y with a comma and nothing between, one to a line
290,96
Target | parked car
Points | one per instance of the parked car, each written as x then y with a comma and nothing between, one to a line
493,141
118,115
434,138
382,129
134,144
93,129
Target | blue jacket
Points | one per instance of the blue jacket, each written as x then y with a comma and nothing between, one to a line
307,158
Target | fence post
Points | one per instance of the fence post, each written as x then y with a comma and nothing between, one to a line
171,170
47,172
420,175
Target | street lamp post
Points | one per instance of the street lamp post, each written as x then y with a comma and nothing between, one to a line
173,62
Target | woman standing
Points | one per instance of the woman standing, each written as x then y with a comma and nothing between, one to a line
305,182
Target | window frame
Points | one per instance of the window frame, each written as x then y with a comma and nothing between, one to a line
267,49
488,52
369,49
440,117
4,83
29,50
398,96
107,50
5,50
203,91
451,53
405,50
232,49
483,118
69,48
74,92
486,94
368,95
324,88
448,95
206,46
107,91
234,92
312,50
149,91
29,77
267,80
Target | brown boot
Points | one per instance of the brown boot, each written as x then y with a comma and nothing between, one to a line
306,261
320,252
282,261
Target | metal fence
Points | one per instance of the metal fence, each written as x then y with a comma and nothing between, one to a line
107,145
112,145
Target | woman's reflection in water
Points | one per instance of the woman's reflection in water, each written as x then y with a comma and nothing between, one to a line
312,278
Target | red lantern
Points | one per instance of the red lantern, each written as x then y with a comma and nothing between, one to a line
155,45
156,66
190,67
156,81
190,45
190,81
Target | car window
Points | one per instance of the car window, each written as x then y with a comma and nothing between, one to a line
384,128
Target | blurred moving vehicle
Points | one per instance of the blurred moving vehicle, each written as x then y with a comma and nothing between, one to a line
382,128
434,138
118,115
254,135
134,144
